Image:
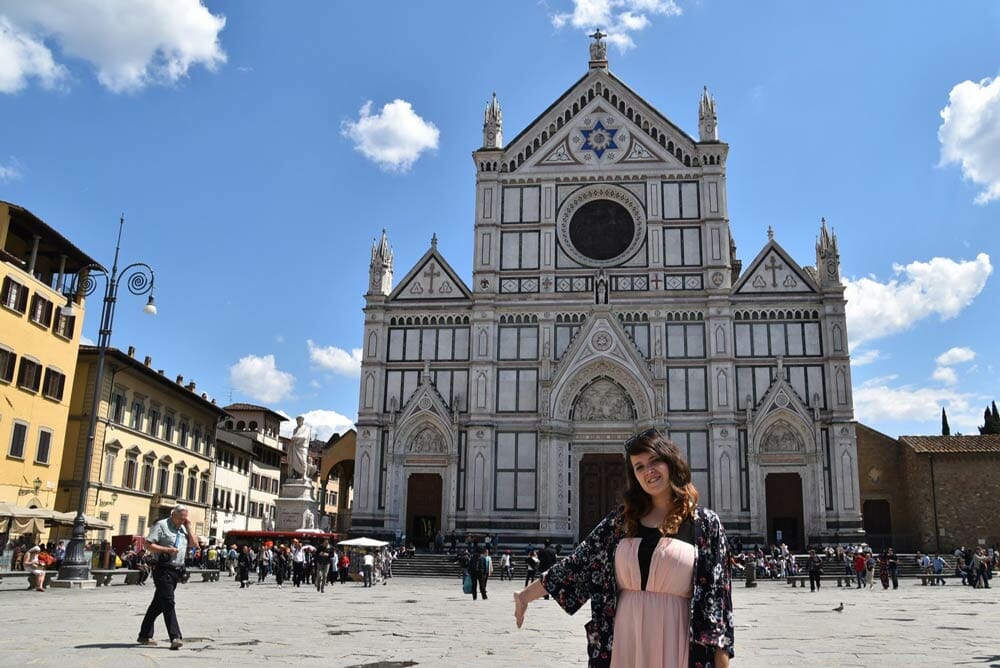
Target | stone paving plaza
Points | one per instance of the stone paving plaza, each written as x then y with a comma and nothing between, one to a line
429,623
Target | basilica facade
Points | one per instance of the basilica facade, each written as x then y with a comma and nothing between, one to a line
606,298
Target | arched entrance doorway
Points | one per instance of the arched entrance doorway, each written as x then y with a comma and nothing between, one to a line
604,405
423,507
783,500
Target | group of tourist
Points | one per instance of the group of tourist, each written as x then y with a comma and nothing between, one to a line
305,564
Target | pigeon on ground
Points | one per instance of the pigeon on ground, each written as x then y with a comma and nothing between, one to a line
839,608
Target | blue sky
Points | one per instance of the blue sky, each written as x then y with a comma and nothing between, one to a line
238,139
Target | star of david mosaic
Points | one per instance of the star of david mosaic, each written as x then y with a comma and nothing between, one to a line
599,139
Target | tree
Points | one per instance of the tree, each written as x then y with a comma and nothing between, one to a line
991,420
945,429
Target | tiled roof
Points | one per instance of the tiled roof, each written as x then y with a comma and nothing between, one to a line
253,407
955,444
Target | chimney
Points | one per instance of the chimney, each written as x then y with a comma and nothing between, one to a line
160,371
131,351
213,402
180,379
148,361
191,386
205,396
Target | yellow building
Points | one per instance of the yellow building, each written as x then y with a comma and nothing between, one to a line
38,350
154,444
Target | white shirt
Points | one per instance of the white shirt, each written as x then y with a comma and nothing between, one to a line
299,556
369,560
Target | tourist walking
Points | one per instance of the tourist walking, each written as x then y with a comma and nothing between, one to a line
893,568
869,570
168,540
937,565
322,564
368,565
344,566
532,567
244,566
883,569
814,565
298,563
279,564
859,568
666,603
505,569
480,568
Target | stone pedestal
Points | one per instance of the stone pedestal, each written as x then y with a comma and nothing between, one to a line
295,507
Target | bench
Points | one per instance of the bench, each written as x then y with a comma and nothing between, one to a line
103,576
207,574
49,575
842,580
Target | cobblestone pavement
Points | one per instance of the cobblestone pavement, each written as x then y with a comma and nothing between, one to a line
430,623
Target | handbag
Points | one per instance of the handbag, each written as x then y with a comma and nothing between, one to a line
467,584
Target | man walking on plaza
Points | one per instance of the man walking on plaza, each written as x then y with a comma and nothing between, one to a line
480,568
546,559
368,566
815,567
168,540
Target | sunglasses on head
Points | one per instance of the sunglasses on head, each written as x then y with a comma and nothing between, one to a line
646,434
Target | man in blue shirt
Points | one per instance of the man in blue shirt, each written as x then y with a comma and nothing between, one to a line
168,540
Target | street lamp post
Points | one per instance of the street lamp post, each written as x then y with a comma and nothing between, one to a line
139,278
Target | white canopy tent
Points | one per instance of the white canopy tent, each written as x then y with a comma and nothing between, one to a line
363,542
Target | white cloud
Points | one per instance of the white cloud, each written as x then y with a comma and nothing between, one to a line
131,43
954,356
260,379
24,57
970,134
877,401
12,170
324,424
863,357
86,341
394,137
946,375
336,359
618,18
941,287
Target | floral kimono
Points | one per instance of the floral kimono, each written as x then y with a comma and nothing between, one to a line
589,573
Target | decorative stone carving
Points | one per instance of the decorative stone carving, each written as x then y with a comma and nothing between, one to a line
603,401
781,438
427,441
601,341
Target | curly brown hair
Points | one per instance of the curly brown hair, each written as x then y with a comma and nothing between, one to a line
638,502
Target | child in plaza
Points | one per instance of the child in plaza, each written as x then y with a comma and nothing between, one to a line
656,571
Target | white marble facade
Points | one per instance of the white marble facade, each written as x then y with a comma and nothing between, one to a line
605,299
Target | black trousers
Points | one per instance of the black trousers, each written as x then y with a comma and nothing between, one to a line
296,572
165,578
481,581
813,581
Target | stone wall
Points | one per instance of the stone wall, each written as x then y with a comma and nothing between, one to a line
881,477
966,498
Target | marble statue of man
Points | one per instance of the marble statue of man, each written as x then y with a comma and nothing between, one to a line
298,450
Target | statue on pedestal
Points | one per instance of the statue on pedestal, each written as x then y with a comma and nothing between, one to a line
298,450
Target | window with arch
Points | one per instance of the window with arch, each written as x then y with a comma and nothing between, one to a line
179,480
252,426
183,432
146,480
241,426
110,456
131,471
229,425
192,485
168,428
162,477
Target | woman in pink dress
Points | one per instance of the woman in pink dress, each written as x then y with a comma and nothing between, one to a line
656,571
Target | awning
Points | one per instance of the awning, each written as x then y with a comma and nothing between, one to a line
67,519
363,542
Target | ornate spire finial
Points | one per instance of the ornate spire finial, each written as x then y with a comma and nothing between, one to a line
434,240
493,124
708,121
770,233
598,50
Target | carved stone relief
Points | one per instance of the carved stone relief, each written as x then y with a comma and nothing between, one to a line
603,400
781,437
428,440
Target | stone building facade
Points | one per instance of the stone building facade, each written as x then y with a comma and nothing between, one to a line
606,298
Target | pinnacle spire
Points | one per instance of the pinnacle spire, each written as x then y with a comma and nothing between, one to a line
708,120
493,124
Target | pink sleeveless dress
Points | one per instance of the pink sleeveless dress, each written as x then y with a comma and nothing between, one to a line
652,627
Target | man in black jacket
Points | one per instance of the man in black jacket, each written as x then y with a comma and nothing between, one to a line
546,559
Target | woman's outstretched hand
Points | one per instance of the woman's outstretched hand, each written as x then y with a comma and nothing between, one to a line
520,607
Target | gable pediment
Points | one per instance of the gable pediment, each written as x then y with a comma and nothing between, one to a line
431,278
773,271
567,133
